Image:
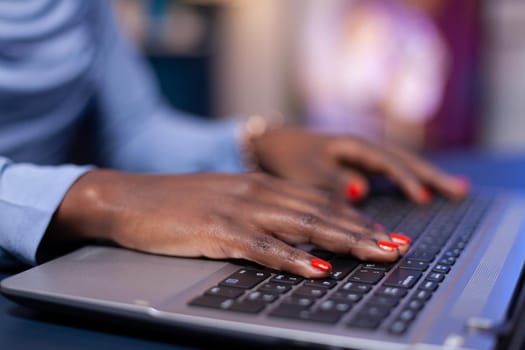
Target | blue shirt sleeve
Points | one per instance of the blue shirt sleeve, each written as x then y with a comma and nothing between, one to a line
137,130
29,196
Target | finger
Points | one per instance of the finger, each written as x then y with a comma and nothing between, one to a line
338,216
376,160
301,191
296,227
454,187
355,185
352,183
275,254
307,198
344,182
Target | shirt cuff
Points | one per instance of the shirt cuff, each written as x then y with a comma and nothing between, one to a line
29,196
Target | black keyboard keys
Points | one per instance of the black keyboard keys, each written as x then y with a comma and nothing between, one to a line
245,278
402,278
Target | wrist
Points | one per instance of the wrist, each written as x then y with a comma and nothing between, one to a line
83,213
253,129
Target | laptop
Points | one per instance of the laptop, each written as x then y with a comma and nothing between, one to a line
459,286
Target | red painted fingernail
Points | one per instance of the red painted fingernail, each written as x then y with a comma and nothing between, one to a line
425,195
379,227
400,238
321,264
388,246
355,190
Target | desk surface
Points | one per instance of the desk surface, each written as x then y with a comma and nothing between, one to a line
23,328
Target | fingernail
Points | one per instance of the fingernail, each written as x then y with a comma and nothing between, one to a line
425,195
388,246
379,227
400,238
463,182
355,190
321,264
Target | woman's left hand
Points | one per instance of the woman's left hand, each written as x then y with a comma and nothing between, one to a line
341,164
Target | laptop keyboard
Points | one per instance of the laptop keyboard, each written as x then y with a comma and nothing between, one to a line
359,294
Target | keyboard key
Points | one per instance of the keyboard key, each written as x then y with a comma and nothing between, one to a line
441,268
435,276
322,254
383,301
378,266
341,267
245,278
454,253
275,287
422,255
415,304
335,305
459,244
423,295
213,301
313,292
407,315
258,296
391,291
321,316
288,311
414,265
347,296
402,278
431,249
227,304
320,283
373,311
398,327
251,307
301,301
367,276
228,292
285,278
355,287
428,285
447,261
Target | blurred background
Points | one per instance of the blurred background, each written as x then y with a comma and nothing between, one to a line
430,74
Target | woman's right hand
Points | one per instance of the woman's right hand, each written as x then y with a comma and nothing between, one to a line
251,216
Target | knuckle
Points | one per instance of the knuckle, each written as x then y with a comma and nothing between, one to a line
354,238
308,220
292,255
263,244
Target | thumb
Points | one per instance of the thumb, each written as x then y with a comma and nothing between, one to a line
344,182
354,184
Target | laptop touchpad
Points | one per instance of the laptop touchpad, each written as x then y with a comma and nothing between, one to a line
118,275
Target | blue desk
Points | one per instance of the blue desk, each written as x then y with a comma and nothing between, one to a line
23,328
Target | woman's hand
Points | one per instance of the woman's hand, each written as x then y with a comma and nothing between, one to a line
251,216
341,164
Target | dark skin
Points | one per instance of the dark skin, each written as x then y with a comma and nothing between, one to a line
253,216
